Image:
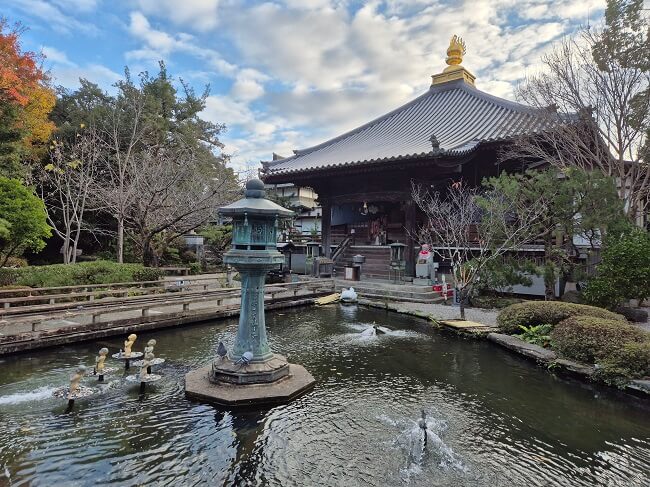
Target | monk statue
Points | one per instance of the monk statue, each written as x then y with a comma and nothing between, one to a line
75,379
128,343
146,363
99,361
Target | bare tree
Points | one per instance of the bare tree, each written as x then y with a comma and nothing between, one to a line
596,86
122,131
66,186
470,228
176,192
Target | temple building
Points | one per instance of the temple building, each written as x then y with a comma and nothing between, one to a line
363,178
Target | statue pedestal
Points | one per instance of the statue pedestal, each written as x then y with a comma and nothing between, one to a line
199,386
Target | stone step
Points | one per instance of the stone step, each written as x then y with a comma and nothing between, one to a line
408,297
388,286
391,293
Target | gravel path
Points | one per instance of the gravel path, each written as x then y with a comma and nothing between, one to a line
441,312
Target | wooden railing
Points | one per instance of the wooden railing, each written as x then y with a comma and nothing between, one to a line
21,323
90,292
340,249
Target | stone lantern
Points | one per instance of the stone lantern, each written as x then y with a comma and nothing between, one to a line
261,375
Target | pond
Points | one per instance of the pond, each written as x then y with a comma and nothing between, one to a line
492,418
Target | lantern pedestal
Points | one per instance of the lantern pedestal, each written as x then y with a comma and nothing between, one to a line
199,386
270,370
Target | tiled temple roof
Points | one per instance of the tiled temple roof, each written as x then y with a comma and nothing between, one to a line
458,115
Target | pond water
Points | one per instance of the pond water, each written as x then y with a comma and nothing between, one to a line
492,418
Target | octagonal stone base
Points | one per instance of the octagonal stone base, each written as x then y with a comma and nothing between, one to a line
199,387
269,370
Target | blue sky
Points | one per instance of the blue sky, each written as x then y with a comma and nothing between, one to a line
289,74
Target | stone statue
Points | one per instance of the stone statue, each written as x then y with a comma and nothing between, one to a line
149,348
146,363
75,379
128,343
99,361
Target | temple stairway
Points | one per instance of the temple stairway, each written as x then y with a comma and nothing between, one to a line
377,290
376,265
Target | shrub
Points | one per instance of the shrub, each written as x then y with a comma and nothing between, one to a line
589,339
631,361
195,268
624,271
533,313
8,276
16,262
98,272
148,274
490,301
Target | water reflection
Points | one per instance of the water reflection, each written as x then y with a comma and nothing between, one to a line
491,418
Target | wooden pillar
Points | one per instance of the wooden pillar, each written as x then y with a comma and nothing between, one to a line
326,230
410,227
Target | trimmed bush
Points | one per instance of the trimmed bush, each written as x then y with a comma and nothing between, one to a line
8,276
98,272
533,313
631,361
147,274
589,339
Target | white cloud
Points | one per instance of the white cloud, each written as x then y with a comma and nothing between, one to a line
67,73
53,16
248,85
78,5
97,73
197,14
55,56
160,45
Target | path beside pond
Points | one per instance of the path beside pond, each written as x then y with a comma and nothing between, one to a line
440,312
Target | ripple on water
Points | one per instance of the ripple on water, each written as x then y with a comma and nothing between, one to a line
491,419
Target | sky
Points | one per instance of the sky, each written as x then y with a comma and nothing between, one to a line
288,74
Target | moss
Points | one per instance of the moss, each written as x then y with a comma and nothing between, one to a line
534,313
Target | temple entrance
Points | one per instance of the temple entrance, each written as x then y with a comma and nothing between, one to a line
368,223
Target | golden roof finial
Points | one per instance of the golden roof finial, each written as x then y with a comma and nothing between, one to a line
454,71
455,52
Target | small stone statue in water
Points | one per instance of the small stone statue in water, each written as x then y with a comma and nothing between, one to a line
74,381
149,348
128,343
146,363
99,361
